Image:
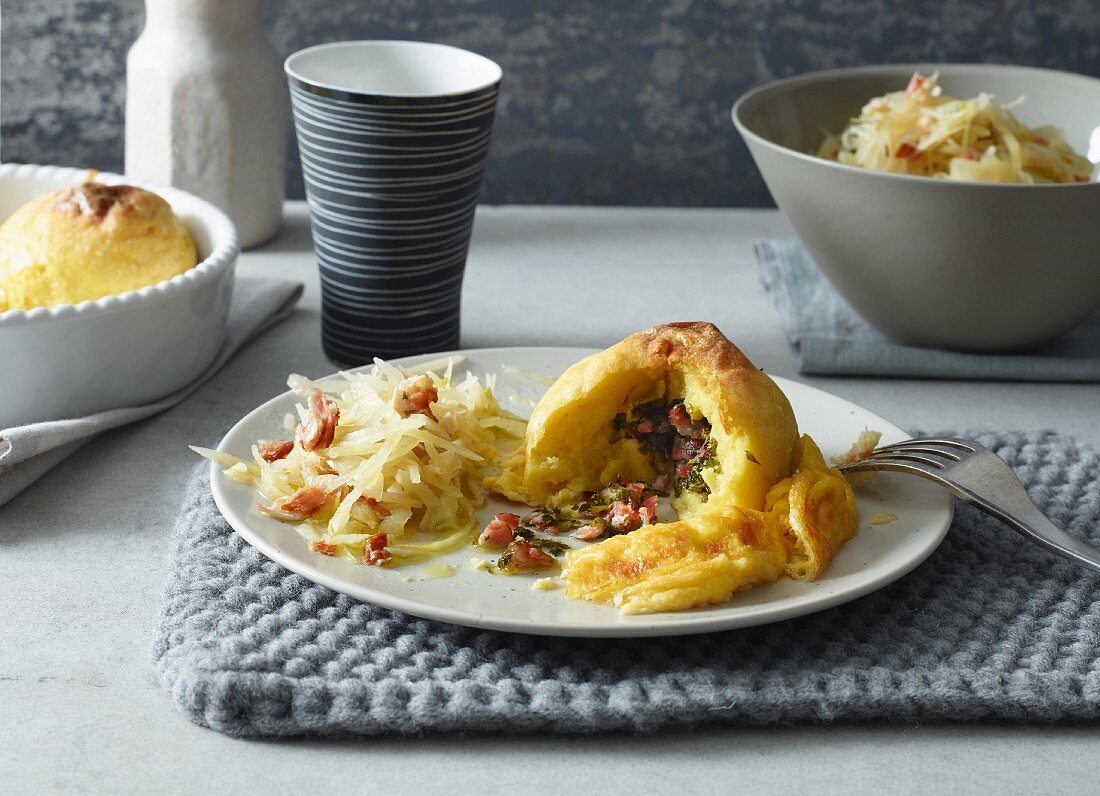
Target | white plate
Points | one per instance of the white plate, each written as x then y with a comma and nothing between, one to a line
878,555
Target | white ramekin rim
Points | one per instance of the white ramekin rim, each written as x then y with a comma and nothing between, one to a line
223,235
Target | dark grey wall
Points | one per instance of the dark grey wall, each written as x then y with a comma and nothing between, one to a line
603,101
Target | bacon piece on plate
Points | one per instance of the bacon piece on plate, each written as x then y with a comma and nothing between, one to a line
378,508
319,428
593,530
375,552
500,530
322,547
541,521
623,517
525,555
907,152
294,508
416,396
271,450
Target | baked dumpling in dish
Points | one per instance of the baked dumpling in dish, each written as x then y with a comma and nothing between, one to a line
88,241
680,408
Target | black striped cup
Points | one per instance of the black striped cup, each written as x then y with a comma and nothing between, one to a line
393,137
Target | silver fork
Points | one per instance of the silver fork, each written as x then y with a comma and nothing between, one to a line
983,479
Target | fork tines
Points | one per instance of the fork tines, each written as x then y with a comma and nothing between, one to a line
936,453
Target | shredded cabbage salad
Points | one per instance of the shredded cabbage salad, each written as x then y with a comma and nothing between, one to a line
385,465
923,132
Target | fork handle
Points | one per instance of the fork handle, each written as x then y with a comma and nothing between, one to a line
1025,517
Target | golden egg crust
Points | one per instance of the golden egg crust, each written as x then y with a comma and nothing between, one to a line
88,241
567,449
773,508
676,565
706,558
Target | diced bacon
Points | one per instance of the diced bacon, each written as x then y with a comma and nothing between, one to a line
500,530
541,521
644,427
685,450
678,453
374,551
609,494
1080,178
683,470
907,152
378,508
635,489
271,450
319,428
680,420
322,547
308,499
662,483
649,506
623,517
295,508
526,556
593,530
415,396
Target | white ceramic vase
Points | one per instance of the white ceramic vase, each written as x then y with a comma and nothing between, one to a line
207,109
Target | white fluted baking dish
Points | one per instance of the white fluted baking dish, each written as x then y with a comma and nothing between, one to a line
124,350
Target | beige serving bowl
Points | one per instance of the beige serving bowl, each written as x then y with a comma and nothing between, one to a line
931,262
118,351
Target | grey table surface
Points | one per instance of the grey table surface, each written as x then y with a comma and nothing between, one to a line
82,553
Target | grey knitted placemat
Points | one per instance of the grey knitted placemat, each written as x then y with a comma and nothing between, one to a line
989,627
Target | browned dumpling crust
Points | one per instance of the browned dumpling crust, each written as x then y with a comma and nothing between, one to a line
88,241
762,504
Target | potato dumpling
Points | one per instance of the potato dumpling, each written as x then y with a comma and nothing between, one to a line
568,449
680,405
88,241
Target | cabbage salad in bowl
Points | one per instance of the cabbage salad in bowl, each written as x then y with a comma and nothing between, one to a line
921,131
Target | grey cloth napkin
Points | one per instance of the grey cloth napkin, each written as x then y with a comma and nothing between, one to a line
990,626
828,338
27,452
